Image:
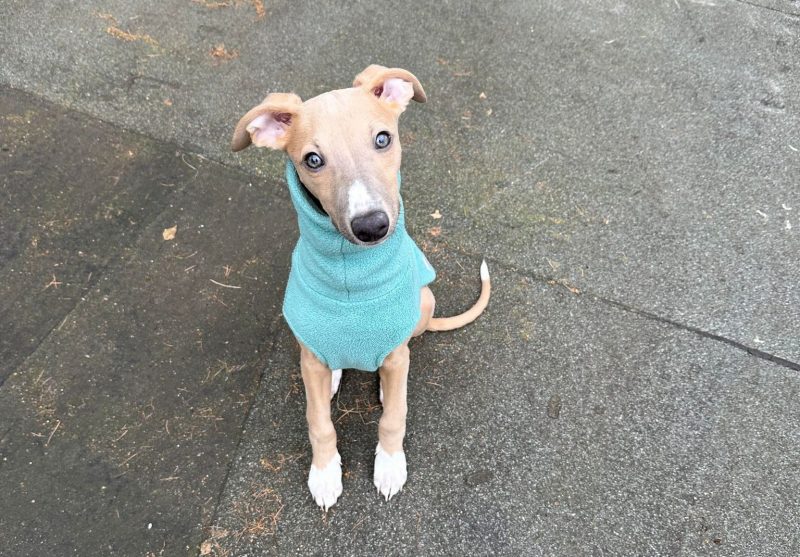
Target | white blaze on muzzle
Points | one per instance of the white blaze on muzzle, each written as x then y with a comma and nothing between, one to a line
360,201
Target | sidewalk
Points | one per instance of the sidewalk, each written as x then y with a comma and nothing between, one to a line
629,171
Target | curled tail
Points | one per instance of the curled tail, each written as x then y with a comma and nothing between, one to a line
450,323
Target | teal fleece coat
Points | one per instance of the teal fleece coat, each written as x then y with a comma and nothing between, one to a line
351,305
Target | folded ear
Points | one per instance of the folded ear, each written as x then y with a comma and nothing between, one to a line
268,124
392,85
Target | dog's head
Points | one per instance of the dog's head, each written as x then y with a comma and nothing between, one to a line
344,145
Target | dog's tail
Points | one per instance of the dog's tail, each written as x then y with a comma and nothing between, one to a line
450,323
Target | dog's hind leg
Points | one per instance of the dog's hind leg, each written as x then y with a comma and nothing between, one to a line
390,460
427,305
325,475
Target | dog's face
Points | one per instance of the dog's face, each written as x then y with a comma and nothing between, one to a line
344,145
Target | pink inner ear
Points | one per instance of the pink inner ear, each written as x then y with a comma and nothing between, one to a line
267,129
397,90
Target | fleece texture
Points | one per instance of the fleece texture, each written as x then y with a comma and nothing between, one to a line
351,305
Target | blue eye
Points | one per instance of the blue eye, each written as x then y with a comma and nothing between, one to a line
313,161
382,140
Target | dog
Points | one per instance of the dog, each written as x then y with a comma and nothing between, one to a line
357,289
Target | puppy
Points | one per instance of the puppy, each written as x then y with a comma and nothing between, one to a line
357,289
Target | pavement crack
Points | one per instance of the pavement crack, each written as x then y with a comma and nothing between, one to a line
266,350
761,354
183,147
47,335
559,283
109,266
549,280
768,8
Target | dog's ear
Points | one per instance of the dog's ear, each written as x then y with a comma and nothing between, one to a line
268,124
393,85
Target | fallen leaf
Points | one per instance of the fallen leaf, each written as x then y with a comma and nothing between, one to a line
107,17
219,52
261,12
205,548
482,96
167,102
218,533
213,5
565,284
169,233
435,231
436,214
123,35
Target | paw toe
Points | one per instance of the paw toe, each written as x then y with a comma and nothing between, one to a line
390,472
325,484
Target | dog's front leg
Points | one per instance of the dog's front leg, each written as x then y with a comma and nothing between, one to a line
390,460
325,475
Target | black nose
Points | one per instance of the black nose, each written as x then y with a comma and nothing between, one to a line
370,227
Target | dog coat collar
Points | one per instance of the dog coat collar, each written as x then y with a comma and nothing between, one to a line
351,305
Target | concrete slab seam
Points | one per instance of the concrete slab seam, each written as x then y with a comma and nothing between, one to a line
552,281
269,346
768,8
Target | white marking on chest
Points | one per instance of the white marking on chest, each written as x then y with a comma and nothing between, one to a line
359,200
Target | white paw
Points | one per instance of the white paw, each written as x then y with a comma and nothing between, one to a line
326,484
336,380
390,472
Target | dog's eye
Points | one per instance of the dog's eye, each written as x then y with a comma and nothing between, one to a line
313,161
382,140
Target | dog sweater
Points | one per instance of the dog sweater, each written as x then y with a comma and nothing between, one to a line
351,305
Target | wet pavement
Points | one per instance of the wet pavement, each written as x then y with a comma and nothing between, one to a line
629,171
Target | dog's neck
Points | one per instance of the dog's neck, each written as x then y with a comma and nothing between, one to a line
312,198
336,268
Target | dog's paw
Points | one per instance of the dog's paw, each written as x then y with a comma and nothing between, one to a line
390,472
326,484
336,380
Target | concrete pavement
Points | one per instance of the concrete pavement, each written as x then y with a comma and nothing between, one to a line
630,170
